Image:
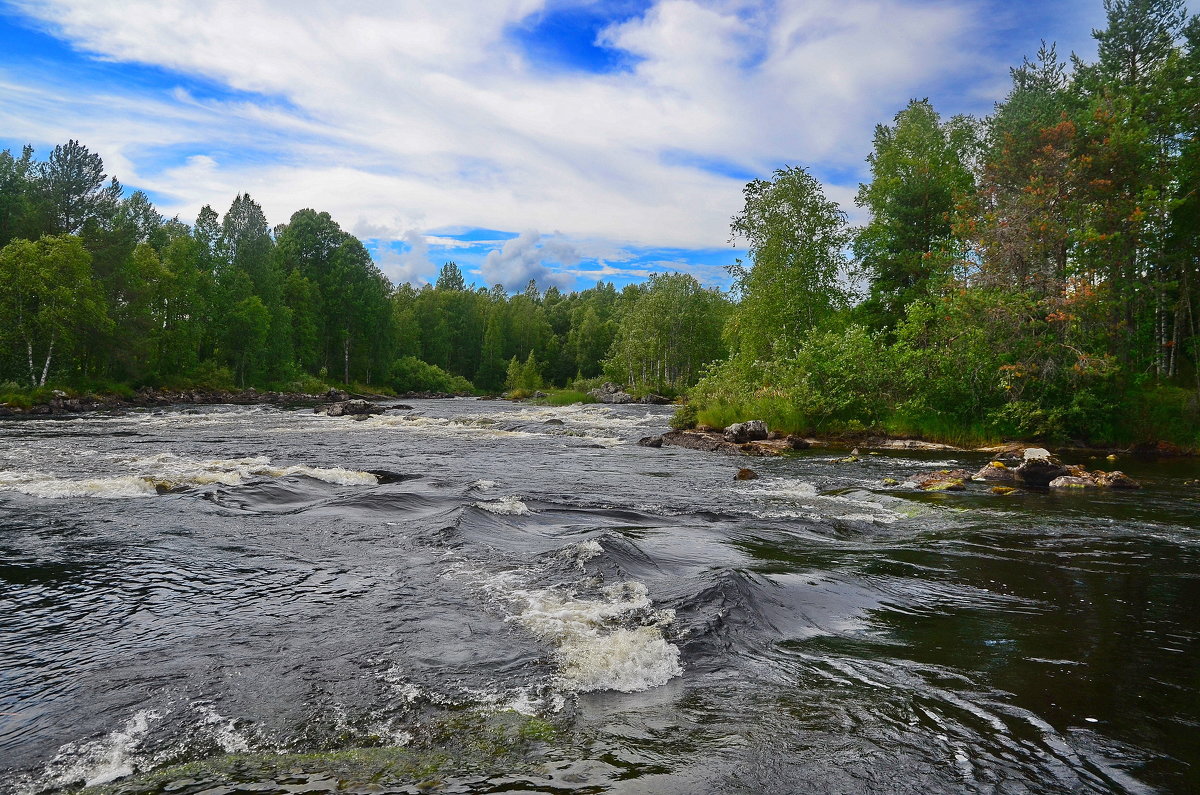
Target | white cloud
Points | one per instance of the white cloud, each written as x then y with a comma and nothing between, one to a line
397,116
529,256
411,265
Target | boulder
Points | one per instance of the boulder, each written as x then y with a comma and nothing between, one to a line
746,474
1038,472
940,480
1116,480
651,441
1072,482
1036,454
654,400
336,396
797,443
609,392
707,442
996,472
349,408
749,431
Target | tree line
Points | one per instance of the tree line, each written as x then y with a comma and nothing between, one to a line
99,290
1035,273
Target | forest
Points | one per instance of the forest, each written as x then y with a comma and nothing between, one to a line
100,292
1032,274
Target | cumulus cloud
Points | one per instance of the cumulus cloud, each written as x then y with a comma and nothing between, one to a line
414,115
411,263
529,256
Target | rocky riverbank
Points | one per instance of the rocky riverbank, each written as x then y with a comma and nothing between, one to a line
61,403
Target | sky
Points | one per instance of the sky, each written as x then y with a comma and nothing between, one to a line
566,141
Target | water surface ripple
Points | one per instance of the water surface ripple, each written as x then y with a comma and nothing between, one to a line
179,585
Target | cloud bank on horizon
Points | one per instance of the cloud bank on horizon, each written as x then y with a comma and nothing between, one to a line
560,140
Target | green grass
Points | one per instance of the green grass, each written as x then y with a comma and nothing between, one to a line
785,418
567,397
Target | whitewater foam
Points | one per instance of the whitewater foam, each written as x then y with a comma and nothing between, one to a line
614,642
166,471
99,761
505,506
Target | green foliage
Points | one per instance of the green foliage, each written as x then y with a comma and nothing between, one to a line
684,418
410,374
669,331
49,299
796,238
568,397
525,377
919,172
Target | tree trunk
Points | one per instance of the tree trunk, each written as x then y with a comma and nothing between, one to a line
29,359
346,359
46,366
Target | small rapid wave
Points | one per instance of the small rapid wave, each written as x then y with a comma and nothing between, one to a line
163,472
505,506
611,640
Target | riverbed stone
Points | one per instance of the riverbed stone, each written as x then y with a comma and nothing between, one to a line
1072,482
940,480
1116,480
1039,472
996,472
346,408
746,474
650,441
749,431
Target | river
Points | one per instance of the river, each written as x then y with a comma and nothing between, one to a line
479,596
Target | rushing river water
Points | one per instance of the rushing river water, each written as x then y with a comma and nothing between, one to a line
482,597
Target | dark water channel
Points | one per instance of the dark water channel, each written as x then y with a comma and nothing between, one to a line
482,597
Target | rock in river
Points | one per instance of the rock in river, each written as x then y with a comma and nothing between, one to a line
940,480
346,408
1039,472
609,392
749,431
996,472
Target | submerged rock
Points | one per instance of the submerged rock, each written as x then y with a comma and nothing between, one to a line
749,431
1003,490
746,474
650,441
940,480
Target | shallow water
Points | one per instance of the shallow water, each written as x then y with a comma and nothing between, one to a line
181,585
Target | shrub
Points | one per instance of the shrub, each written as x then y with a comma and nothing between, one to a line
410,374
685,417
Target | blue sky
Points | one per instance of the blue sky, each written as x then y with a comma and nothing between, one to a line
561,140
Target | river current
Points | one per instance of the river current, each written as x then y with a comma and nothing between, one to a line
478,596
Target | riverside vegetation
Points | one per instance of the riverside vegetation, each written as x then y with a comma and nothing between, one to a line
1033,274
